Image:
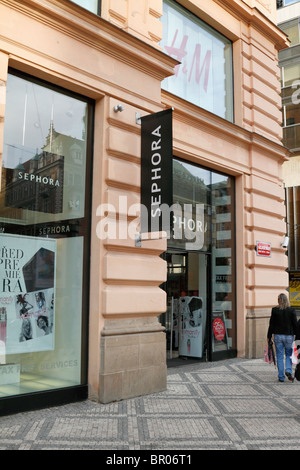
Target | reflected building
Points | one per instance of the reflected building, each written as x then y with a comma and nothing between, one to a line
38,183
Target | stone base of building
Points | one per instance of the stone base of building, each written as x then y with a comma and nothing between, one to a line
133,359
257,324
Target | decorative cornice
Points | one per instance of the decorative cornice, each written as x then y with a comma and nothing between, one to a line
254,17
96,32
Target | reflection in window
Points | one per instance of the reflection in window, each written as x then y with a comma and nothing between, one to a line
291,106
284,3
91,5
290,74
223,261
292,31
191,204
44,146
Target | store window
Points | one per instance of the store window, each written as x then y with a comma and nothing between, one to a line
44,238
284,3
200,320
291,29
290,93
204,76
293,216
91,5
289,74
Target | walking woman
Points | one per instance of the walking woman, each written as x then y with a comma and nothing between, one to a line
283,323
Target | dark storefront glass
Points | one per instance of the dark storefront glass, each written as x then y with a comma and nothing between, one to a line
223,264
44,225
201,319
192,207
293,217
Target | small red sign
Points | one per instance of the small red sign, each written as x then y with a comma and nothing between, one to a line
263,249
219,329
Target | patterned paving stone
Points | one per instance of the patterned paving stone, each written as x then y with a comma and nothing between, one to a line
230,405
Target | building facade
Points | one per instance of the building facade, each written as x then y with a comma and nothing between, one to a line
88,307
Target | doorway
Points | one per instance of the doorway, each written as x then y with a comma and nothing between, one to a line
200,321
196,326
186,318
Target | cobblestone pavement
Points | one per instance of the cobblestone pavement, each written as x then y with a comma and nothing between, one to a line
236,404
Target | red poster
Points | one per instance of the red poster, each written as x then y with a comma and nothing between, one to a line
219,329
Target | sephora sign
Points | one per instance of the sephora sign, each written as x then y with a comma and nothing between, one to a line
156,172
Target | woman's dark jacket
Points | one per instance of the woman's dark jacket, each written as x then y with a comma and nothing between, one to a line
282,322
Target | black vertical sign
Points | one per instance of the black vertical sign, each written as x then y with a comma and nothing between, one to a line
156,172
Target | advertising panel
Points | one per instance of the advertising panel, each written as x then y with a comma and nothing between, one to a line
191,344
294,289
27,293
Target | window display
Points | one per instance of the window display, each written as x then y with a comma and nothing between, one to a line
42,225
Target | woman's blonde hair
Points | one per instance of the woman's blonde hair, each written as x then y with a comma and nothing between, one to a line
283,301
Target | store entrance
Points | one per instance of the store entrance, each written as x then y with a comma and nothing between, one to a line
200,321
186,318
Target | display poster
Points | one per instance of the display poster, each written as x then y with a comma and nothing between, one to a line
294,289
219,328
191,327
27,293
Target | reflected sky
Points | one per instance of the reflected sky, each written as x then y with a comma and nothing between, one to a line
30,108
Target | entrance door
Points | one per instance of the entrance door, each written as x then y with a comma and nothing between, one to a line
186,319
200,320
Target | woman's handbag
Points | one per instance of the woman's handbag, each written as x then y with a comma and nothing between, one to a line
269,353
294,355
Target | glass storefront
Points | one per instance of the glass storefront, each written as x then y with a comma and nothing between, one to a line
292,197
44,238
200,320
